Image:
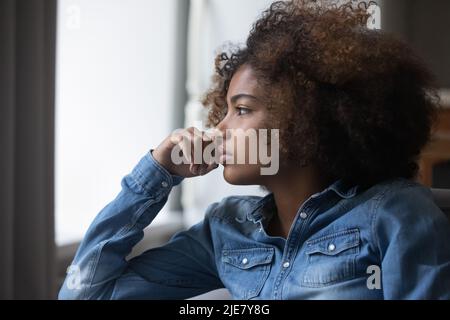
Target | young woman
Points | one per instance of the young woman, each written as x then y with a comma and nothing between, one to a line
343,218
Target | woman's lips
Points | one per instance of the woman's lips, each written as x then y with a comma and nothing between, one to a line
225,159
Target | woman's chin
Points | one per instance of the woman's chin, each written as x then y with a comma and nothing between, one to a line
239,175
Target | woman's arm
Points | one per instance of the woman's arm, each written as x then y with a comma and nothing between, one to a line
183,268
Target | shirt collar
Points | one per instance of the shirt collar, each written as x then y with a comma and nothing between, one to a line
256,212
342,189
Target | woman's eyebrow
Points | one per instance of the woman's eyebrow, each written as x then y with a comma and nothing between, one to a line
240,96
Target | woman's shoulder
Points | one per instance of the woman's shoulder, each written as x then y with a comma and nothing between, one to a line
405,199
401,188
408,227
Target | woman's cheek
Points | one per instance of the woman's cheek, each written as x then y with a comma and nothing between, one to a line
244,146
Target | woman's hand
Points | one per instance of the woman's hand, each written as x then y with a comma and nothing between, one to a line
182,144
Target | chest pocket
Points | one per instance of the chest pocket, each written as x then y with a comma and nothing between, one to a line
246,270
331,258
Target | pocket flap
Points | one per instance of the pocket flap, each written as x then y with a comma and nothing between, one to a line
334,243
247,258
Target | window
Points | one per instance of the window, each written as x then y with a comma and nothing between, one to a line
115,99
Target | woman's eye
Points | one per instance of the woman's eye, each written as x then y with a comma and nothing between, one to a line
242,111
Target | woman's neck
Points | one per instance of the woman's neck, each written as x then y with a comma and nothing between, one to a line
291,188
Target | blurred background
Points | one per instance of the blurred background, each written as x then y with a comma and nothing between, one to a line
89,86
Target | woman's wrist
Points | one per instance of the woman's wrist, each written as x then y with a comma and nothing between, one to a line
161,161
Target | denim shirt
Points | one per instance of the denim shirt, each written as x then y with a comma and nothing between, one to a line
387,242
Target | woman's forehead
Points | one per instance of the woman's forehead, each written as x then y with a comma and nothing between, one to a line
244,81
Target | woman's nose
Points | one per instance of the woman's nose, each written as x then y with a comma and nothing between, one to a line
222,127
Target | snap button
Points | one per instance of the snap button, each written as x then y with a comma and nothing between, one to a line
164,184
303,215
286,264
244,261
331,247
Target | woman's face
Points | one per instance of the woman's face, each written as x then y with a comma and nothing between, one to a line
246,110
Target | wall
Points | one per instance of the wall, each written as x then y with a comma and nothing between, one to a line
425,25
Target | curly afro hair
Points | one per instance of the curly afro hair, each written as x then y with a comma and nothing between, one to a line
356,102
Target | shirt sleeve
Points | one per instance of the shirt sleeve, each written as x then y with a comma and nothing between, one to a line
182,268
413,237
